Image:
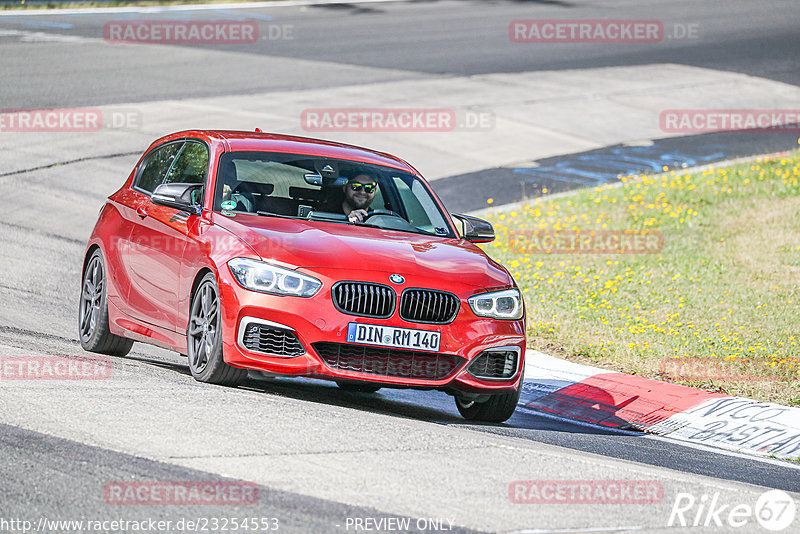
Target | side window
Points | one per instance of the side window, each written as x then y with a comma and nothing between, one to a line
378,203
420,207
414,209
191,167
155,166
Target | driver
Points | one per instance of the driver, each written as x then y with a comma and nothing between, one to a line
359,192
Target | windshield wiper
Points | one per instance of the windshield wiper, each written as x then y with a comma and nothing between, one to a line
425,232
270,214
369,225
419,231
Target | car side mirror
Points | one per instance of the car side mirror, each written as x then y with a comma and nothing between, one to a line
178,196
475,229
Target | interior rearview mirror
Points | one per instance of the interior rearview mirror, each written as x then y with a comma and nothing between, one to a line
313,179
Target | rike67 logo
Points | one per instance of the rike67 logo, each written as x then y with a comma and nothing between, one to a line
774,510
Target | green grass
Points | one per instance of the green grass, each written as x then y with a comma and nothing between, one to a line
717,307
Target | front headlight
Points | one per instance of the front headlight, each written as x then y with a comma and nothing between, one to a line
260,276
505,304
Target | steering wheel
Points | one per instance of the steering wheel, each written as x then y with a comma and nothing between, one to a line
382,212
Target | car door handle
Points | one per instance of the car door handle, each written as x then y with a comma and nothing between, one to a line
141,211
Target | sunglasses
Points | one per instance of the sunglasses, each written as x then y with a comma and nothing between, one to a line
368,188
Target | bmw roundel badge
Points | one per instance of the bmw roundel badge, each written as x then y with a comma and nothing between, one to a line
397,279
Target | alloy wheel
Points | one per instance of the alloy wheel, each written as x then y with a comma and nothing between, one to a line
203,327
91,297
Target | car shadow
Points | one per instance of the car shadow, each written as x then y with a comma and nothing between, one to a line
540,401
542,416
577,401
534,412
551,405
429,406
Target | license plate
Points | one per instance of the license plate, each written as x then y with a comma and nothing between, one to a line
392,336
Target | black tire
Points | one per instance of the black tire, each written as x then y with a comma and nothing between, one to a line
204,338
93,330
358,387
497,409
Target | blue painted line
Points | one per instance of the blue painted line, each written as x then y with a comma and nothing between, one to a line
621,164
44,24
565,171
231,15
25,21
249,16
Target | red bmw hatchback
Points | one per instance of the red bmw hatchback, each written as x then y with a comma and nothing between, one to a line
299,257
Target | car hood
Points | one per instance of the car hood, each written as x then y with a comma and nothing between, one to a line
304,244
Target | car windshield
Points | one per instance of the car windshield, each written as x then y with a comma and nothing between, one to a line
312,188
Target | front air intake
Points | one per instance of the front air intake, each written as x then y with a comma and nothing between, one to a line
495,364
388,362
270,340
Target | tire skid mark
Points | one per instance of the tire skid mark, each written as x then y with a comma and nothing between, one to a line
69,162
4,329
81,242
16,335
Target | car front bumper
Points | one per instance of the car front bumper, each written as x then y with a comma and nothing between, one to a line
317,320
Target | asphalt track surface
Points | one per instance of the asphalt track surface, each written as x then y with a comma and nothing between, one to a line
320,455
557,174
417,38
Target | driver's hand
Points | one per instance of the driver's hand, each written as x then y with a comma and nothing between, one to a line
357,216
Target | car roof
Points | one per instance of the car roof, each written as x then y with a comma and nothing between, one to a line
236,140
